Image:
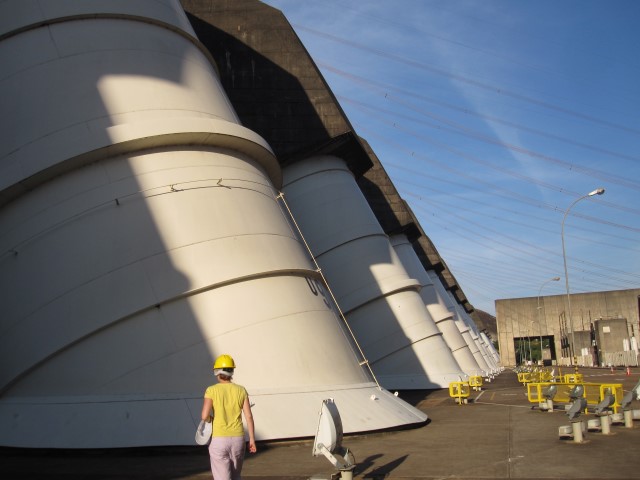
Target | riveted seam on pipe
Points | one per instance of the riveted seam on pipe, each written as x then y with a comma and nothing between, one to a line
119,201
364,360
157,305
113,16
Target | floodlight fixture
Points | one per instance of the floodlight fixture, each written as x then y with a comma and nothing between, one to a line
550,392
630,396
608,400
576,392
328,440
577,407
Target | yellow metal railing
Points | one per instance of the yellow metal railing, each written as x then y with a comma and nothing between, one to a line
476,382
459,391
546,376
536,375
572,378
593,392
616,390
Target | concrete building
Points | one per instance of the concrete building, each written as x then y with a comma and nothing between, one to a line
604,327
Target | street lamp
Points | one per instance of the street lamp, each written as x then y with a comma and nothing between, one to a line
598,191
529,336
530,354
554,279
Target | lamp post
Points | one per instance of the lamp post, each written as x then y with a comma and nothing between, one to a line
532,334
598,191
530,356
554,279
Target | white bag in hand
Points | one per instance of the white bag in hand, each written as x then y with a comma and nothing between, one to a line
203,433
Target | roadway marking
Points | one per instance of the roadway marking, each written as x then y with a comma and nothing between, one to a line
505,405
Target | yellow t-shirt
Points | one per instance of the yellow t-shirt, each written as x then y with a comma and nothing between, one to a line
228,399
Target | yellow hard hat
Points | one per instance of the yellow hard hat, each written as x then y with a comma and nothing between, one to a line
224,361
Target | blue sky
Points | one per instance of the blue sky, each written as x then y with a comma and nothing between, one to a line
492,117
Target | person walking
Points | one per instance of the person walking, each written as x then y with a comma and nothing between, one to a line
225,403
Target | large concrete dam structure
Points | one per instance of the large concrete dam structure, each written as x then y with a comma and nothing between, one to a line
143,232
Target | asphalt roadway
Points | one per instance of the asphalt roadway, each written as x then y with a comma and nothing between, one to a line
496,436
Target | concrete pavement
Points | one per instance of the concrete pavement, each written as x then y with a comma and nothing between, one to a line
496,436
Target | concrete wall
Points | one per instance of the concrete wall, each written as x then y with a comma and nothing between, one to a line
519,317
612,335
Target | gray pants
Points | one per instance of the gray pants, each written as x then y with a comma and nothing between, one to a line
226,455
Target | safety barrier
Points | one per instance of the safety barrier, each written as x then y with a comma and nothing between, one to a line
572,378
536,375
460,391
476,382
593,392
616,390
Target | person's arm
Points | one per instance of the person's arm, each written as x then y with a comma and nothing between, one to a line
248,416
207,405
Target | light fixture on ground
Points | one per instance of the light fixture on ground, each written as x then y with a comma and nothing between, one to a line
554,279
598,191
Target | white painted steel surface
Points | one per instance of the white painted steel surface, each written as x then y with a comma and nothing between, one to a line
140,237
381,302
490,348
445,298
475,334
442,317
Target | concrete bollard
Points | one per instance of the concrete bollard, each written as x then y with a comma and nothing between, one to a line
576,428
605,425
628,419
